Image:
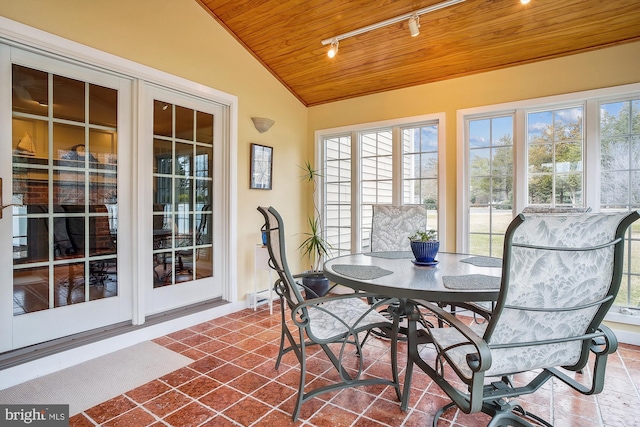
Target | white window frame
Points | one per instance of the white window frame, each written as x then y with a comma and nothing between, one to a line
356,197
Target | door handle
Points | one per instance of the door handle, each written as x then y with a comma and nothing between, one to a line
3,207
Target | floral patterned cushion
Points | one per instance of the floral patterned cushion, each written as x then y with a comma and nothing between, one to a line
392,226
338,318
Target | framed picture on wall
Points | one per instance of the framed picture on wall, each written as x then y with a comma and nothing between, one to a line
261,167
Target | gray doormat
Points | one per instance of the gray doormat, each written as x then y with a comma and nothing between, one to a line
92,382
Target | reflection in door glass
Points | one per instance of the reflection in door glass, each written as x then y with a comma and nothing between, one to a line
182,192
65,227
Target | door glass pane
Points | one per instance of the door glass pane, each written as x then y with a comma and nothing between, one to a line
182,194
101,102
30,92
184,123
65,227
204,127
68,99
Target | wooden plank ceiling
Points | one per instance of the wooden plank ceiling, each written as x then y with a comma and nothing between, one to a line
463,39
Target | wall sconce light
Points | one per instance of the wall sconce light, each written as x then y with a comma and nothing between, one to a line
262,124
414,25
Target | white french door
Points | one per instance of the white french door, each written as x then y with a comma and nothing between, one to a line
65,150
181,154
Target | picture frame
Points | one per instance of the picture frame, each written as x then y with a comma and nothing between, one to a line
261,167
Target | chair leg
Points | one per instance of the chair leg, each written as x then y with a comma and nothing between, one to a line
303,372
281,350
394,360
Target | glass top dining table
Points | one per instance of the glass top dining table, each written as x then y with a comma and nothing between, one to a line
452,278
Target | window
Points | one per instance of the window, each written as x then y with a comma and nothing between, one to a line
337,190
420,169
577,150
376,177
490,183
620,182
554,157
388,164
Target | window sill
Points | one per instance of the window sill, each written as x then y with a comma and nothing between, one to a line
632,317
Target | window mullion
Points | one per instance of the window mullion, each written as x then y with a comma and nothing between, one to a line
356,199
396,158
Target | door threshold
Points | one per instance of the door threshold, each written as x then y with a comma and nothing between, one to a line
27,354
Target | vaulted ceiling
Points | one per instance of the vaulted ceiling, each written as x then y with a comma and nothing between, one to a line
466,38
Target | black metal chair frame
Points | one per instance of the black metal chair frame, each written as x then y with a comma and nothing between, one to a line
305,312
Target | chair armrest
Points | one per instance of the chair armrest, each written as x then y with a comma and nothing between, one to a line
380,300
299,316
607,344
478,362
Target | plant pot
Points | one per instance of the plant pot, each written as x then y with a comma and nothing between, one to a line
425,251
317,283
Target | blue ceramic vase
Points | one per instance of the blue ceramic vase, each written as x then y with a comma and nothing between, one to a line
425,251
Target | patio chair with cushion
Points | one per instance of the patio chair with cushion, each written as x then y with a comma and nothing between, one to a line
560,276
335,323
391,226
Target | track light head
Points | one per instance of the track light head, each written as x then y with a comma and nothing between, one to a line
414,25
333,49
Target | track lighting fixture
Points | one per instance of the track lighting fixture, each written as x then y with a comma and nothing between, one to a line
414,25
333,49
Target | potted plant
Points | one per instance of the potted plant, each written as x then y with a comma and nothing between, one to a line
315,247
425,246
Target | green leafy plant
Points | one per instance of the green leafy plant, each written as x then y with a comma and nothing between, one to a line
424,236
314,246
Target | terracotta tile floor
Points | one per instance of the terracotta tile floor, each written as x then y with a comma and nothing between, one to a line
233,381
